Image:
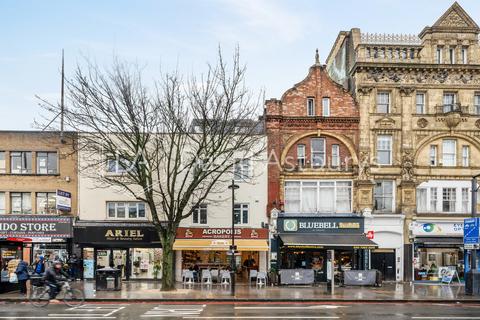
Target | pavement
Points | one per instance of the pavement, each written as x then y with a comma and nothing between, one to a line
226,310
150,291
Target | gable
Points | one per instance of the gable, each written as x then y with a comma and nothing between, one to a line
456,17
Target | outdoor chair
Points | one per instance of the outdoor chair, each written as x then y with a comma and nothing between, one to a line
188,277
253,275
261,278
214,274
225,277
206,277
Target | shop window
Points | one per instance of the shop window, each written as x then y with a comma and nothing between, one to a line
323,196
241,213
326,107
433,155
146,263
465,156
21,162
449,154
241,169
448,199
335,155
318,151
126,210
46,203
384,149
311,107
301,155
21,202
2,203
199,215
3,168
420,103
47,163
383,196
383,102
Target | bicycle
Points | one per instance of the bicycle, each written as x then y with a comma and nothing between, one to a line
72,297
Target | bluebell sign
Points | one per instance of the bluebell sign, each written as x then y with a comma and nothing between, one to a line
471,231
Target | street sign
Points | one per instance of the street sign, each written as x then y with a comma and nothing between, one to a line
471,231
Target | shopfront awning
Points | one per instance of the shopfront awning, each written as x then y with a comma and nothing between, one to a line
220,245
305,241
439,242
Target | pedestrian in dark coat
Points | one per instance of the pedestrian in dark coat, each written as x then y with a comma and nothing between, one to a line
22,276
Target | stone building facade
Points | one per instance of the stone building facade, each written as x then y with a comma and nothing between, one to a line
419,100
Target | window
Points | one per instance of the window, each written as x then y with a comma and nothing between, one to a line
383,102
318,152
241,213
21,162
117,165
465,156
126,210
449,100
465,200
433,199
476,103
383,196
46,162
464,55
433,155
384,149
2,203
200,214
438,55
420,101
301,155
335,155
451,52
3,168
21,202
326,107
449,157
421,200
46,203
321,196
448,199
241,169
310,106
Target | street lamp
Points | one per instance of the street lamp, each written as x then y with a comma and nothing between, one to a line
233,248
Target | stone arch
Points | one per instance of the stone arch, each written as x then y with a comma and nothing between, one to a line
294,139
471,140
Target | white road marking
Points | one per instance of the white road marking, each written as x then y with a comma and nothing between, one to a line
447,318
291,308
91,310
265,317
58,317
174,310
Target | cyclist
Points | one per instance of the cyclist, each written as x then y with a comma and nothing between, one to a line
53,278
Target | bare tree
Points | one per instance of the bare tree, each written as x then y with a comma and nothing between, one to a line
174,144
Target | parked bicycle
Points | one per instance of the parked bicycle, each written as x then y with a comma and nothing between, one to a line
72,297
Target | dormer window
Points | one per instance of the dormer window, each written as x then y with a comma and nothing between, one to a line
310,107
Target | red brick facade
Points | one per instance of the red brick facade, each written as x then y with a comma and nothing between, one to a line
288,124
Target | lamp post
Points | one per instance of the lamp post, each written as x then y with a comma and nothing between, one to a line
233,248
473,264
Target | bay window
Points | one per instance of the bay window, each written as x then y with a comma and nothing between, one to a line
383,196
443,196
318,151
448,199
465,199
318,196
2,203
449,157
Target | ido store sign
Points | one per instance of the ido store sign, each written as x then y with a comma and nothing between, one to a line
31,228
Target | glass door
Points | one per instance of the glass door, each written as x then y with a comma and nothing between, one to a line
103,258
119,257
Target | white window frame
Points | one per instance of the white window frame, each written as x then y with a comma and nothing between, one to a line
449,107
465,156
476,103
326,107
465,200
301,155
117,167
23,209
3,203
439,54
335,155
197,214
47,196
433,156
320,153
444,154
389,139
45,168
464,55
311,107
435,196
420,107
383,196
382,104
126,205
241,170
239,210
451,52
3,162
453,198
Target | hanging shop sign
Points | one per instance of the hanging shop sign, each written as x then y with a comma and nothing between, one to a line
321,224
64,201
221,233
34,227
437,228
115,233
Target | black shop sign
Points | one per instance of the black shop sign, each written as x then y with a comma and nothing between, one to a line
119,233
22,226
320,225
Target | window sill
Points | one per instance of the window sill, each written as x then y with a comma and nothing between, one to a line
31,174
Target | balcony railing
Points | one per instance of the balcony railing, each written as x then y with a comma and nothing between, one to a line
456,108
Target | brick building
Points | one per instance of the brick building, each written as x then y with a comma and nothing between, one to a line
313,136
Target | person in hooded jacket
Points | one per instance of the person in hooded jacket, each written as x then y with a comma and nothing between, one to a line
22,276
39,265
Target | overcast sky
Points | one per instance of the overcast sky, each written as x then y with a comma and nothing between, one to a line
277,38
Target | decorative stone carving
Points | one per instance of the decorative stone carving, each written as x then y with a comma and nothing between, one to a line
441,76
453,20
421,77
477,123
385,123
407,165
392,75
465,78
375,74
364,166
453,119
364,90
422,123
406,91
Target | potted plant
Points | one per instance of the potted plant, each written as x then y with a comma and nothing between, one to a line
157,268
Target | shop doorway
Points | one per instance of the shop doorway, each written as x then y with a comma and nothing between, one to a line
117,258
384,261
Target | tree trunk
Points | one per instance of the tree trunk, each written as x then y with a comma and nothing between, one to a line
168,278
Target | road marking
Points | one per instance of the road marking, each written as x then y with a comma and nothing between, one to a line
265,317
447,318
58,317
291,308
91,310
174,310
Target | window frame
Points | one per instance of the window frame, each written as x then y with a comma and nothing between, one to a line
310,106
383,196
240,209
439,55
320,153
326,107
47,198
25,158
445,106
423,104
451,53
387,105
47,154
385,137
242,170
335,155
3,162
453,198
197,212
465,55
22,202
3,202
301,160
476,103
465,156
433,155
454,162
126,205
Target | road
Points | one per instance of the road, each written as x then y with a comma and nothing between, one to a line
245,311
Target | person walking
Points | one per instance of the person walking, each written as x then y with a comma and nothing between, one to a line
22,276
39,265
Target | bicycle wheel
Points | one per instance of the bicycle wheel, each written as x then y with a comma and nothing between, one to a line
74,297
40,296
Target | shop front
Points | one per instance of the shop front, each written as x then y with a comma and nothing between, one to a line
134,248
386,230
437,249
302,244
207,248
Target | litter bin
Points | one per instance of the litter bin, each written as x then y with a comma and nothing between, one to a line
108,279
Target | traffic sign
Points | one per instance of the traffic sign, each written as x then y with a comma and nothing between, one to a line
471,231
